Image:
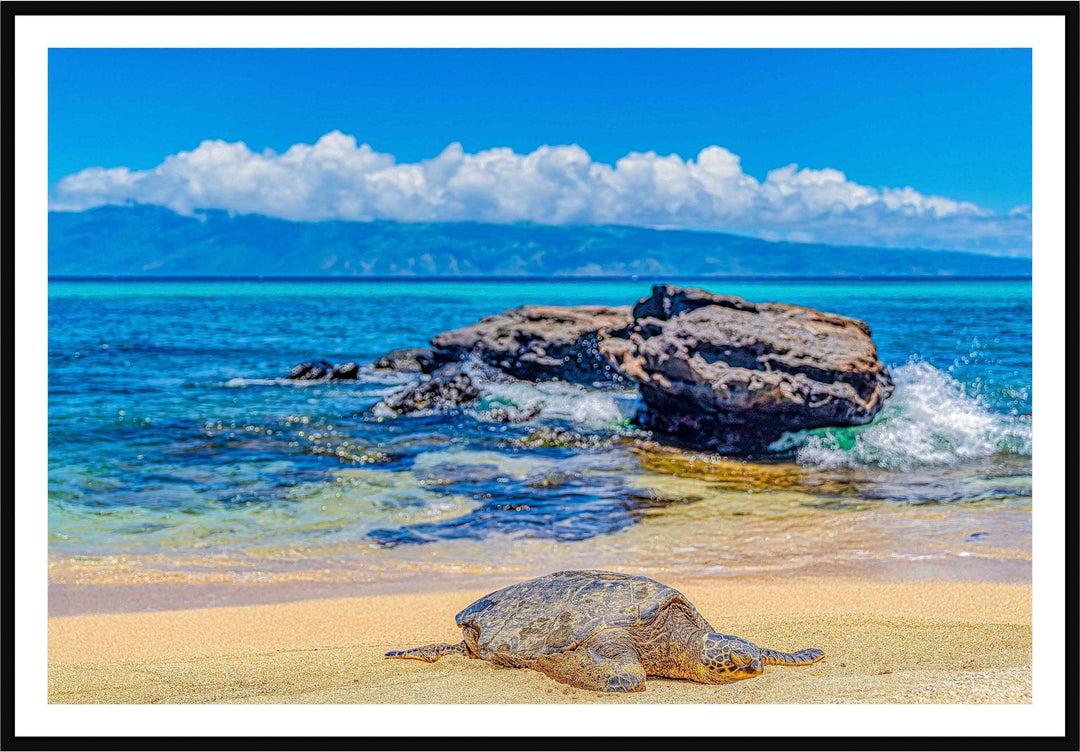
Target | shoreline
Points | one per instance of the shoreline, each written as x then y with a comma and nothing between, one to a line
119,596
894,642
721,537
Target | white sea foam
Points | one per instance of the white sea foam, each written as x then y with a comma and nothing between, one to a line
385,381
561,401
368,374
242,382
931,419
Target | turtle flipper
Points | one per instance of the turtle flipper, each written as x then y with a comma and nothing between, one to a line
799,658
430,653
587,669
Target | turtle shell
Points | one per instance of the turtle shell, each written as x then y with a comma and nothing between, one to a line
559,611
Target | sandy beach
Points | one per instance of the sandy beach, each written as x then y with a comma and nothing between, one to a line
884,642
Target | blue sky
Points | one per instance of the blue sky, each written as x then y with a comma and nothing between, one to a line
948,123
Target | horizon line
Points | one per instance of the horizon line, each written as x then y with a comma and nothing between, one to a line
531,278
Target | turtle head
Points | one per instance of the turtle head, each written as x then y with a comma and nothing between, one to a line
725,658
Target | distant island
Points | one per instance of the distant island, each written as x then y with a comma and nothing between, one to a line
150,241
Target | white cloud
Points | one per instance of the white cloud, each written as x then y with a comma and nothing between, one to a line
337,179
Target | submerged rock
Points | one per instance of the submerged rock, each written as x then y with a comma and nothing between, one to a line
552,436
448,387
731,375
511,413
539,343
409,359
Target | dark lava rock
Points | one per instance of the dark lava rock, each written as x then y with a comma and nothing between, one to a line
321,370
409,359
345,371
539,343
720,372
448,387
312,370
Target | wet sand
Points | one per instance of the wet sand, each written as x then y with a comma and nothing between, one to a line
885,642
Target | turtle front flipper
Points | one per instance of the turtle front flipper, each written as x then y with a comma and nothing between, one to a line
587,669
430,653
799,658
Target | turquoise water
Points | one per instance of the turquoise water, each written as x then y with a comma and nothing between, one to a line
170,431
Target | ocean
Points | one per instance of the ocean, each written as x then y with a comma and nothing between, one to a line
177,452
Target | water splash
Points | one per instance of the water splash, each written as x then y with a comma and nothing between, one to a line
558,401
931,419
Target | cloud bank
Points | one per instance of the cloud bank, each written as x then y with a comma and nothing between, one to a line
336,179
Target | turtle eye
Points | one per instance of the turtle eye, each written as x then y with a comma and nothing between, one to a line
741,659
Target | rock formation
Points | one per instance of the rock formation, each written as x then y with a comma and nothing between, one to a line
721,372
539,343
448,387
345,371
321,370
311,370
409,359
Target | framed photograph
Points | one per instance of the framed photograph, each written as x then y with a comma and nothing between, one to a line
646,362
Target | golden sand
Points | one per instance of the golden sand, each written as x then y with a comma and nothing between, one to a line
885,642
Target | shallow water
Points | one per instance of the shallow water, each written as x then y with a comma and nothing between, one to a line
174,444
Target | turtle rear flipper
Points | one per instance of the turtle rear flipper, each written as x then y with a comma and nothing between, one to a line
430,653
799,658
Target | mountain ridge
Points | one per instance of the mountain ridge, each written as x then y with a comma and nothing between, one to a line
150,241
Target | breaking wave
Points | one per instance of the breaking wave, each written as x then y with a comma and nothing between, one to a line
931,419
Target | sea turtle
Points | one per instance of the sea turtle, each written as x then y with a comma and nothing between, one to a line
603,631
